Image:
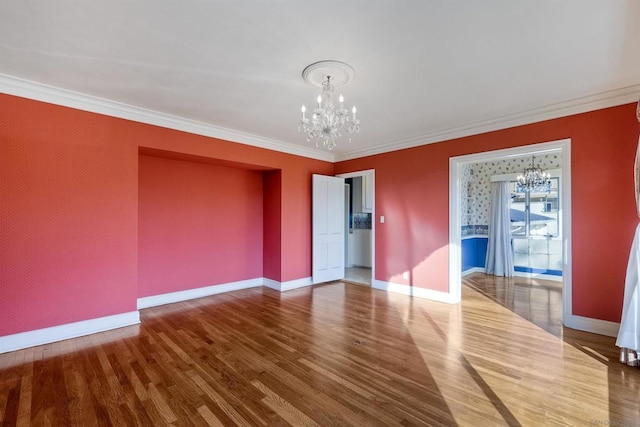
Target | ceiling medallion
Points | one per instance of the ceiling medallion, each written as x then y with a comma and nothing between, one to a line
328,121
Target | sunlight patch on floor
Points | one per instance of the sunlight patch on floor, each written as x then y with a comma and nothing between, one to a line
483,372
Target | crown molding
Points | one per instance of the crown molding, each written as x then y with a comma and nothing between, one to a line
54,95
41,92
584,104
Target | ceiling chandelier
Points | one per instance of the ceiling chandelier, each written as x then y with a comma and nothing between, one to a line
328,121
533,180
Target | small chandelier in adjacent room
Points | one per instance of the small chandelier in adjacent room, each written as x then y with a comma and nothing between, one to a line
328,121
533,180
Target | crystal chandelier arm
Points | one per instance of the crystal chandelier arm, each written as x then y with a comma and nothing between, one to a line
534,179
329,121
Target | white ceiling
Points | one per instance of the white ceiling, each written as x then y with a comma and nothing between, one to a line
425,70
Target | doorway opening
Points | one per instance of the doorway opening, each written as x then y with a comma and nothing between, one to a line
359,227
540,225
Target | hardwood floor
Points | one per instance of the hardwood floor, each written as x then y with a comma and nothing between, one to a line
336,354
538,301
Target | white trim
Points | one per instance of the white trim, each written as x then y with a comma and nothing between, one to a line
475,236
32,90
295,284
356,174
565,191
514,176
287,286
414,291
595,326
455,231
41,92
612,98
472,270
550,277
508,153
67,331
178,296
540,276
272,284
171,297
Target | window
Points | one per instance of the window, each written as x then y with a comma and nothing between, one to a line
536,237
544,213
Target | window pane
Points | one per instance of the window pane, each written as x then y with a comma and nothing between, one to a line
544,212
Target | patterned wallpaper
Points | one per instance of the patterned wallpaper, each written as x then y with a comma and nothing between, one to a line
476,191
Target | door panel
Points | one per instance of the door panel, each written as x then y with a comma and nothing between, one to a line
328,228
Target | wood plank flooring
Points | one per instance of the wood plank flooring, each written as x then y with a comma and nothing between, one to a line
538,301
335,354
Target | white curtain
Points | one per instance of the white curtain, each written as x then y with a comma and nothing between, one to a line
629,333
499,260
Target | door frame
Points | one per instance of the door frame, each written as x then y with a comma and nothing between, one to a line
373,214
455,223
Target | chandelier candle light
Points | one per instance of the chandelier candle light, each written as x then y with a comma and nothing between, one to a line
533,180
328,121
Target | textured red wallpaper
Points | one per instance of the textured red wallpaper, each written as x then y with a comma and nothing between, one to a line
68,217
272,243
198,225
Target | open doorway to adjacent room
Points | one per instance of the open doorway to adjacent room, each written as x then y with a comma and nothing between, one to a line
359,226
539,231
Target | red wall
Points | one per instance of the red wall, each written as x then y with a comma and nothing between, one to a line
412,188
68,216
198,225
69,212
272,243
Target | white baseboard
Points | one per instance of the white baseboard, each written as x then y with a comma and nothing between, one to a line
587,324
67,331
287,286
473,270
516,273
295,284
414,291
538,276
271,284
171,297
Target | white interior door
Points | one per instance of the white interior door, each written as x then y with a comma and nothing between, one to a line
328,229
